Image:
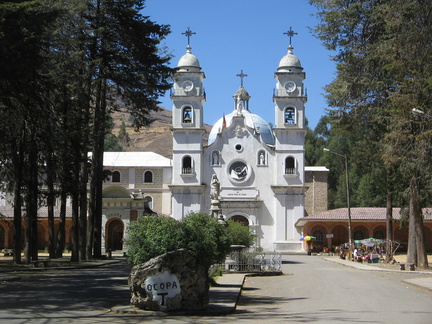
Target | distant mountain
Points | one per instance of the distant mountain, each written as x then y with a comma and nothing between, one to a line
157,137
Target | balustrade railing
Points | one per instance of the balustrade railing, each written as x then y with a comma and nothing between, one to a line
290,171
187,170
252,261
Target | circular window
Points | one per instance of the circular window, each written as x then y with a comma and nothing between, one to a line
238,171
238,147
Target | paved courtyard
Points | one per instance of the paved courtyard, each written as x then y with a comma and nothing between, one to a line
312,290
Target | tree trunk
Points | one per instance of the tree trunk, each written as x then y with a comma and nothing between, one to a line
50,203
83,208
416,242
389,221
32,205
61,234
17,229
412,241
97,165
75,228
34,195
75,215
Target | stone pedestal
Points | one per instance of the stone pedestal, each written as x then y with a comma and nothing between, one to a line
172,281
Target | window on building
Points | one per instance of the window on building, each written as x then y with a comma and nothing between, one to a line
187,165
149,201
148,176
319,236
289,116
187,115
358,235
290,165
115,176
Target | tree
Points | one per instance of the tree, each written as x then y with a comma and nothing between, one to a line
25,30
383,72
123,136
126,58
111,144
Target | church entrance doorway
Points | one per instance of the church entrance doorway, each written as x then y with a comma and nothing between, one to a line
115,235
241,219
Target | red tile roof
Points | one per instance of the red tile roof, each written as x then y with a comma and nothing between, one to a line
362,213
7,212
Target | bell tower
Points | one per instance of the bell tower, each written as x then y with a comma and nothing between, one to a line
290,131
188,99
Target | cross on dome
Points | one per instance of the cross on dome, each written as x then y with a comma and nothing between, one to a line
241,75
188,34
290,33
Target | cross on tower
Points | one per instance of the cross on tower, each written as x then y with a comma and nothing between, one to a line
241,75
188,34
290,33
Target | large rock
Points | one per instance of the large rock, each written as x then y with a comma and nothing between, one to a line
172,281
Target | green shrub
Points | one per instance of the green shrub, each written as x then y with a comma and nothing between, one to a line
151,236
206,237
239,234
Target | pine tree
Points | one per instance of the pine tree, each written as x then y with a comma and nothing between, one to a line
383,72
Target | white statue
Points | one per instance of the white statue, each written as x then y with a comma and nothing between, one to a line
261,159
214,188
239,105
215,160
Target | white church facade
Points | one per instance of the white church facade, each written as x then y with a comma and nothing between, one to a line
260,170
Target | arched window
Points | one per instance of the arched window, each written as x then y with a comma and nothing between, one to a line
187,115
289,115
149,201
358,235
148,176
261,158
215,158
290,165
187,165
2,237
115,176
319,236
379,235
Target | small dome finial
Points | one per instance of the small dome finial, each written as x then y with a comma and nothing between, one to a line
290,49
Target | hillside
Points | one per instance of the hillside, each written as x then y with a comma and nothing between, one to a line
155,138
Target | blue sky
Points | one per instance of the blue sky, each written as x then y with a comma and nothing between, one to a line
235,35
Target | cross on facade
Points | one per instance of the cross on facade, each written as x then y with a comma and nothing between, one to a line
188,34
241,75
290,33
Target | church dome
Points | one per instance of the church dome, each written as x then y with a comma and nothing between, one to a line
289,62
188,62
258,124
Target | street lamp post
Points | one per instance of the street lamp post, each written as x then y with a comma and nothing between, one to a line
350,237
